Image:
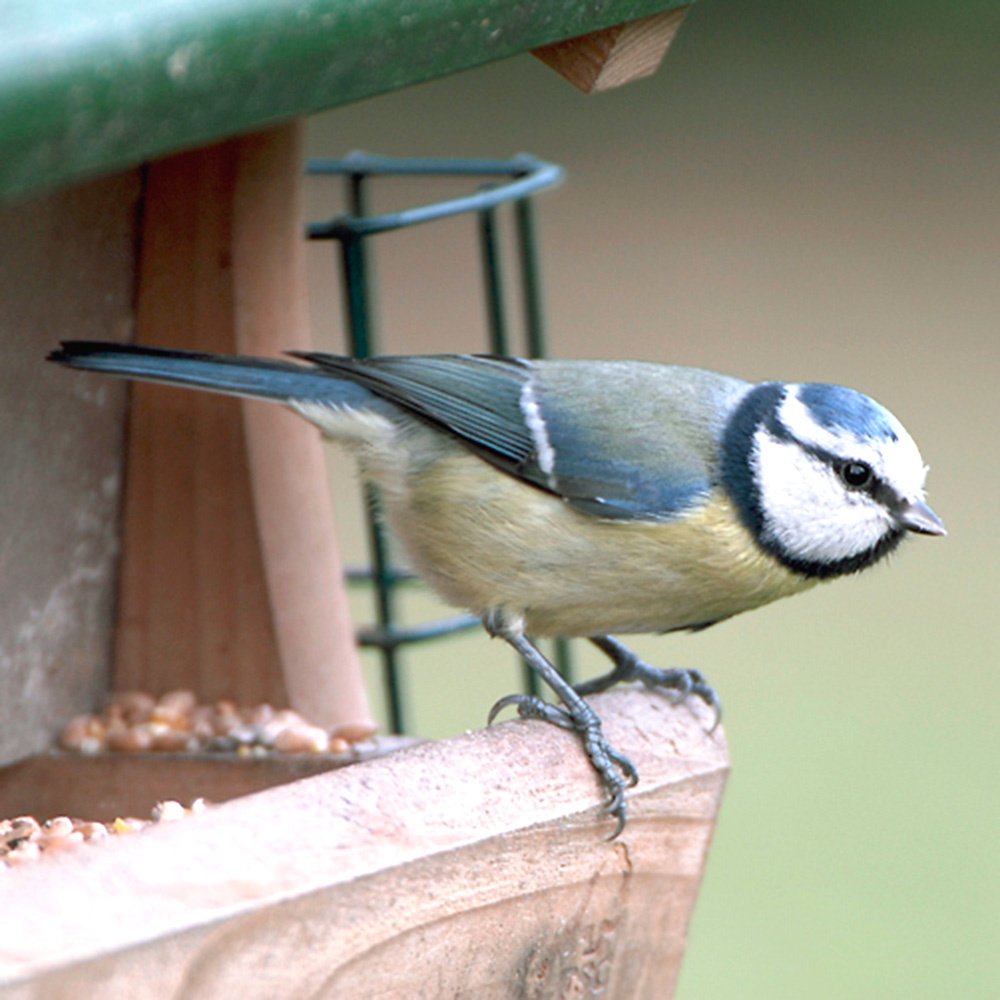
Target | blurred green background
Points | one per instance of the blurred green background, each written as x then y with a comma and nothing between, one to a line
803,192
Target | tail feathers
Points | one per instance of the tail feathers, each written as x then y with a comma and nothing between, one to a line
255,378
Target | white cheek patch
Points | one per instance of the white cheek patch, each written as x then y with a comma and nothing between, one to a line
806,509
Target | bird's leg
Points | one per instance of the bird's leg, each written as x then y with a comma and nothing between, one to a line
615,770
628,667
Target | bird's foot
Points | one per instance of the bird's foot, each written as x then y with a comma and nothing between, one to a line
530,707
681,684
614,769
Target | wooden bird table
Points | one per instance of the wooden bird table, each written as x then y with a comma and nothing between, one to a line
151,170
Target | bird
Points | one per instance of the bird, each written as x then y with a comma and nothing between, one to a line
579,498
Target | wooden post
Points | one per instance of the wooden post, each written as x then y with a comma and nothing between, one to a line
231,582
305,574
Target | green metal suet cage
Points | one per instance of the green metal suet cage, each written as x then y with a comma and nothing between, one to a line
510,183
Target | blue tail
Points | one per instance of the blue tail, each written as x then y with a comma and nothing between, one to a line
256,378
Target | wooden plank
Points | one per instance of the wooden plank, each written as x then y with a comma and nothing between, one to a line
475,867
231,582
107,785
305,573
193,609
614,56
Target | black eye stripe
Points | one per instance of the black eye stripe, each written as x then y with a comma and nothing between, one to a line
872,485
875,487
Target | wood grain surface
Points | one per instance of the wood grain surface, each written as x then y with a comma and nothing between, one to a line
478,866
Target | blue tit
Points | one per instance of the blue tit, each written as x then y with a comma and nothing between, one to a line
586,498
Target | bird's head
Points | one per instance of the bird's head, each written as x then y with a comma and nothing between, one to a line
828,480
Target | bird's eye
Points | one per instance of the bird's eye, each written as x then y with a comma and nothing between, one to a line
856,475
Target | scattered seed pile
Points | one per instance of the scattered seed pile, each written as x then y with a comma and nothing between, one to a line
25,839
136,722
176,723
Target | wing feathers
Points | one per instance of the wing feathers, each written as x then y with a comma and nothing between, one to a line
602,463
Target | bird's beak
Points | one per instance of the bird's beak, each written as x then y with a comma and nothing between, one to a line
915,515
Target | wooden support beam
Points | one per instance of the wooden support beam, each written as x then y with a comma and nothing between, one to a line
231,581
614,56
193,609
477,866
291,496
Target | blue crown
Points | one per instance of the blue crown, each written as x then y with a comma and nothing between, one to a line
837,408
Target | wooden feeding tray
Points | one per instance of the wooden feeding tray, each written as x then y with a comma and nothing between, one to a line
473,867
106,786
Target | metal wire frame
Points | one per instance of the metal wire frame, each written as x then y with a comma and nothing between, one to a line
517,180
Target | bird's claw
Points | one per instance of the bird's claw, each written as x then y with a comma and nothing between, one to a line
700,688
614,769
531,707
680,683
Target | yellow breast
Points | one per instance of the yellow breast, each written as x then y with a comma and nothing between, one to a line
486,540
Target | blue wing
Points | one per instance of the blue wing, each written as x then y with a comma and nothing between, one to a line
621,440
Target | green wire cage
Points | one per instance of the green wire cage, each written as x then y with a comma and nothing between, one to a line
510,184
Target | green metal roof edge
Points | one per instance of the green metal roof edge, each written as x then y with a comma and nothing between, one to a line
93,86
